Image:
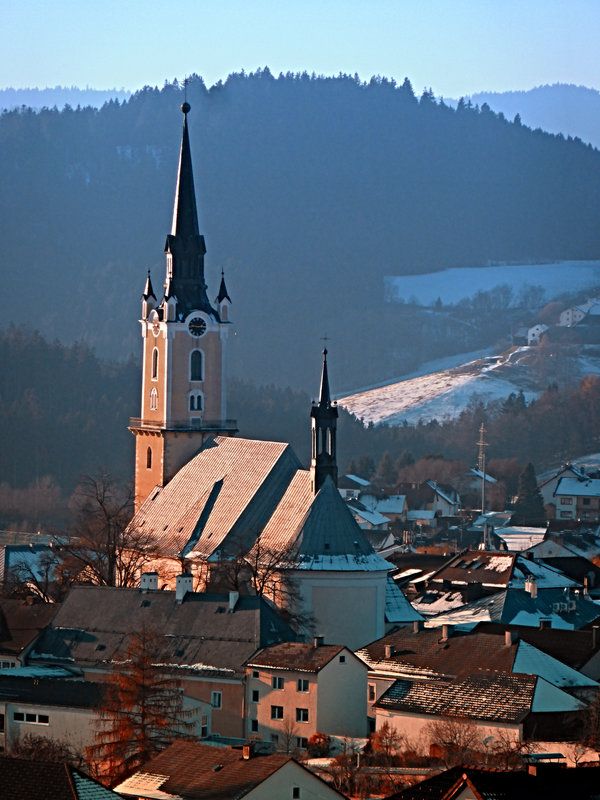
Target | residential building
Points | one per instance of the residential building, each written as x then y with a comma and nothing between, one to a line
578,499
351,486
21,779
535,333
294,690
497,706
447,653
191,770
205,639
21,623
548,481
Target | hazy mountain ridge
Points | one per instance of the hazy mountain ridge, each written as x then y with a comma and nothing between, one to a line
59,96
310,191
557,108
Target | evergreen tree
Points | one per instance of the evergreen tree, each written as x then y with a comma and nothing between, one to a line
529,508
142,712
386,474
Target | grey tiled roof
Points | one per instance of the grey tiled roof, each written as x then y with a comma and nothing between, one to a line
52,691
296,656
498,697
95,623
222,498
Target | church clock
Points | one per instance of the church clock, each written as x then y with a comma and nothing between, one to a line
197,326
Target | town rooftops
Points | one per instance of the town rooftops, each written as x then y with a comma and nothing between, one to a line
431,654
545,781
195,771
296,656
200,634
496,697
21,623
578,487
21,779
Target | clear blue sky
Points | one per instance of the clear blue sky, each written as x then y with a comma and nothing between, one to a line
455,46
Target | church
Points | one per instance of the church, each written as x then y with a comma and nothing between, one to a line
218,506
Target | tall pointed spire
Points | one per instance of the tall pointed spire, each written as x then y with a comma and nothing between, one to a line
148,290
324,394
324,416
185,213
223,295
185,248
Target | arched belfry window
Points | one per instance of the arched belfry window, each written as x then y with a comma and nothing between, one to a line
196,366
196,402
153,400
149,458
155,364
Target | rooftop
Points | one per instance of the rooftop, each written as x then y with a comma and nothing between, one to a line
39,780
21,623
296,656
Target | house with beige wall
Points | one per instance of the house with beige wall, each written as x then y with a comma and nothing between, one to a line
294,690
496,706
190,770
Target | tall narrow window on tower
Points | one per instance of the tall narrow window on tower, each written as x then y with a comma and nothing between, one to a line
196,365
155,364
149,458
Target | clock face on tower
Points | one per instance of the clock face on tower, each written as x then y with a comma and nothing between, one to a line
197,326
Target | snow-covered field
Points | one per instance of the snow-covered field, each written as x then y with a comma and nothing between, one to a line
438,395
452,285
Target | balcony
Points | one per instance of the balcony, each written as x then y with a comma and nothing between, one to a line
191,424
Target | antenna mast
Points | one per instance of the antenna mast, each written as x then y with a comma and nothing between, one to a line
482,444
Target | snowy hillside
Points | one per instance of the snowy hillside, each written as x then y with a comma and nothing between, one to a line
453,285
444,393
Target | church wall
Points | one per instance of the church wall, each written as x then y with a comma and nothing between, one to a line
146,479
152,342
348,607
210,386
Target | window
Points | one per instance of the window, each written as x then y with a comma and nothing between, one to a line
255,673
155,364
196,365
586,501
216,699
565,514
277,683
254,726
153,400
275,738
276,712
7,664
302,742
342,659
302,715
35,719
255,696
149,458
1,723
371,693
302,685
196,402
566,501
296,791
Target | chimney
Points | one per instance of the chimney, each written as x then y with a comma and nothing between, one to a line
149,581
545,623
319,641
595,636
417,625
247,752
183,585
233,598
510,637
586,584
531,587
445,633
389,650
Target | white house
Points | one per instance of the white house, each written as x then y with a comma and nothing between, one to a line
535,333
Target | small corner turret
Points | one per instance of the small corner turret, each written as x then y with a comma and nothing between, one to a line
223,300
324,414
148,298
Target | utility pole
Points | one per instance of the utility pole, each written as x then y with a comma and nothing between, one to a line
482,444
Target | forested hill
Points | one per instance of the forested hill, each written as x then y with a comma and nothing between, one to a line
310,191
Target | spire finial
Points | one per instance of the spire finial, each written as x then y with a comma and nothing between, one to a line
324,395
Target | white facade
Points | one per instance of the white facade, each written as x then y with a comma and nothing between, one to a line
535,333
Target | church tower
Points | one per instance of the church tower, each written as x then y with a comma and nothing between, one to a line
183,369
324,416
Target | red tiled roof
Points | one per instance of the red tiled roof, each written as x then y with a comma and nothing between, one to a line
20,623
296,656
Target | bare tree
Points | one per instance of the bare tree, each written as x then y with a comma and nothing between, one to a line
289,732
103,548
387,741
41,748
455,739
